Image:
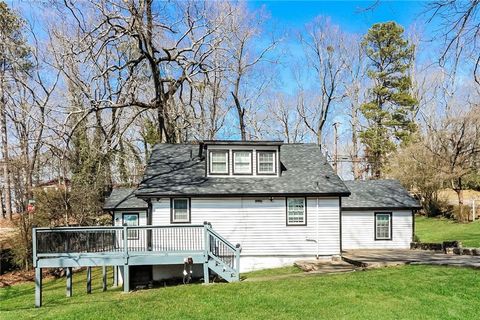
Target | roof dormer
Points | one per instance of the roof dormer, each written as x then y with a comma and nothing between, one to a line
243,158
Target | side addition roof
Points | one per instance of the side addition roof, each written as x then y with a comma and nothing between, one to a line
378,194
124,198
177,169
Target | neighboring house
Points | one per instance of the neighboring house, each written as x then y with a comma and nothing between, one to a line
280,202
54,184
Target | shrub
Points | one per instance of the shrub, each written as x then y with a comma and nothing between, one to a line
462,213
437,207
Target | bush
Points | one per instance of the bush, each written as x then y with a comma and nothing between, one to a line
437,207
462,213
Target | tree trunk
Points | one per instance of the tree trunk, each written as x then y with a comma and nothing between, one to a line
241,117
355,159
459,190
5,164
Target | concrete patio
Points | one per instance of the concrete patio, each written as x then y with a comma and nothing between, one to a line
383,258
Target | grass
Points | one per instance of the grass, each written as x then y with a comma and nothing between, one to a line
421,292
438,230
271,272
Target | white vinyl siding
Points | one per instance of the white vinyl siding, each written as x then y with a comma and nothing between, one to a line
242,162
260,226
358,230
219,162
296,211
266,162
180,210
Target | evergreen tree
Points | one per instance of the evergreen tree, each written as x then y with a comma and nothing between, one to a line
390,109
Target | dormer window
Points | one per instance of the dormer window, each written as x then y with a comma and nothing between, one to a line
218,162
266,162
242,162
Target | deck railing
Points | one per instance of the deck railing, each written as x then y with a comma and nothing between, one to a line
68,240
132,245
222,250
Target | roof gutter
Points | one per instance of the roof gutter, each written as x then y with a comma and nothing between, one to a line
214,195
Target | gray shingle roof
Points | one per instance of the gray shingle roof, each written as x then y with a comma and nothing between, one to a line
124,198
173,171
376,194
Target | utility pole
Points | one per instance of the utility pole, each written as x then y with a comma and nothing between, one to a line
335,152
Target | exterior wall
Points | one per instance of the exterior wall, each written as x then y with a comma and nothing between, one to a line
260,227
358,230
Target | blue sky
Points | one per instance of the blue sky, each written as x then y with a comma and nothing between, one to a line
348,14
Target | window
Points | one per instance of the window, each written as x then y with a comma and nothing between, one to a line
242,162
383,226
131,220
296,211
266,162
219,162
180,210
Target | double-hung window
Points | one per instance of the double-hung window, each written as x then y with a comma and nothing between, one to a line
219,162
296,211
130,220
266,162
242,162
383,226
180,210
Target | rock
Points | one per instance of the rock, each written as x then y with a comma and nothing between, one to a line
451,244
449,250
476,251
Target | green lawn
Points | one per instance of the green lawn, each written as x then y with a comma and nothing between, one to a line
421,292
438,230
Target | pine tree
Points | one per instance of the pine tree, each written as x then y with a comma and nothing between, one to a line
390,109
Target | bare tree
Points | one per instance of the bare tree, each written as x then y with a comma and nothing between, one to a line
355,89
325,53
245,29
459,28
455,142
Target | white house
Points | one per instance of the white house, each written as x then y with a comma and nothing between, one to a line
280,202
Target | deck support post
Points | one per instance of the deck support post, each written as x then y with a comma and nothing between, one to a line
38,287
126,278
69,281
89,279
104,278
115,276
206,273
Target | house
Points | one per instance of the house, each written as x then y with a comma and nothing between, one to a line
280,202
227,207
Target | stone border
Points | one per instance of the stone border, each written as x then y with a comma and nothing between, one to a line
448,247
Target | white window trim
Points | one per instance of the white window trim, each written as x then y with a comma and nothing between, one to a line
250,158
274,163
211,171
390,224
304,222
172,218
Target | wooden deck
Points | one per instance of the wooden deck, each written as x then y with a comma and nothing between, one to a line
68,247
